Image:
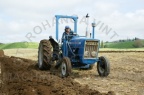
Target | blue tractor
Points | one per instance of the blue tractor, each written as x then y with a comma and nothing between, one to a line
74,52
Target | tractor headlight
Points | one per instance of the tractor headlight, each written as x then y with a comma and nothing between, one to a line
86,53
93,53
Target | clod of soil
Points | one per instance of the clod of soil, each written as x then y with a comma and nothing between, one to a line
22,77
1,53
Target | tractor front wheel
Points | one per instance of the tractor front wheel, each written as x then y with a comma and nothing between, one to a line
103,66
66,67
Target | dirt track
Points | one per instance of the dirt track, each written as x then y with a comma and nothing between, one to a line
126,77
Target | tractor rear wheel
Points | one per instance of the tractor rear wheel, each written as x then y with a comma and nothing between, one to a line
103,66
44,55
66,67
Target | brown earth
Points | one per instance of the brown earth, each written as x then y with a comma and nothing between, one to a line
1,53
126,76
21,77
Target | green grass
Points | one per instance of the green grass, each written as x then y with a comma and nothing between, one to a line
19,45
110,46
120,45
117,49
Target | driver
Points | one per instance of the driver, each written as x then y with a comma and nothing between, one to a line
67,33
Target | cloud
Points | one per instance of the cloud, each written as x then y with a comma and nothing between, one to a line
17,18
129,23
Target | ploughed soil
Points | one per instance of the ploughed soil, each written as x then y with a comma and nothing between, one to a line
126,73
1,53
21,76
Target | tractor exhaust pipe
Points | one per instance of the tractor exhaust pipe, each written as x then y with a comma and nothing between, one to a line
93,29
87,28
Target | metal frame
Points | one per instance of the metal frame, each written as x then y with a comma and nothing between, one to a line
75,18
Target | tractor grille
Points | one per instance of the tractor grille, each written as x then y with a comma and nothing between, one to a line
91,49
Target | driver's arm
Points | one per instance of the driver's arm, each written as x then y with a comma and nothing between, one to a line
63,36
71,32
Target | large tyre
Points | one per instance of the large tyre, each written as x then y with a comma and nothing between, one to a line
44,55
66,67
103,66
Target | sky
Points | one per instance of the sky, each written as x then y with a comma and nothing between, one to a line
34,20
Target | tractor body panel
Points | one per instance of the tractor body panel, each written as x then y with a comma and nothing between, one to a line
81,50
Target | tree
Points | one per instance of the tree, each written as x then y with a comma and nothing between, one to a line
102,44
106,46
106,42
138,43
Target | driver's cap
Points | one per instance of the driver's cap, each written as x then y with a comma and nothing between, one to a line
67,27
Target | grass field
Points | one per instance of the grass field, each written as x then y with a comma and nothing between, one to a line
19,45
121,45
126,49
